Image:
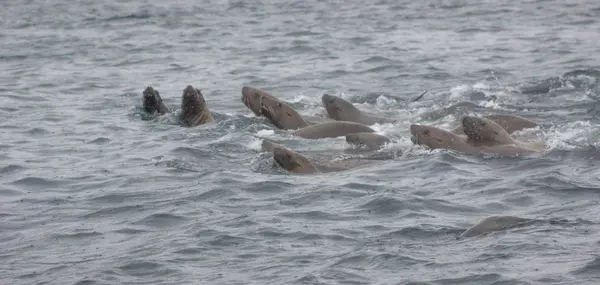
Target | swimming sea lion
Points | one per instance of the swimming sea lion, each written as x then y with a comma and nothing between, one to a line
292,161
332,130
194,111
510,123
153,104
494,223
252,98
281,114
342,110
435,138
297,163
371,140
483,131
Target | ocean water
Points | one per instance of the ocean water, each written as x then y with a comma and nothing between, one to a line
93,191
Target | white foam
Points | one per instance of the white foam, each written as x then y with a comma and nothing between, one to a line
457,92
265,133
570,136
255,144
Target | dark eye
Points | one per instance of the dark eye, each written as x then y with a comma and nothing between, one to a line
256,94
426,132
439,140
278,104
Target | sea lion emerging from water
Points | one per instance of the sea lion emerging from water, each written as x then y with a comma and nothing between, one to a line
293,161
483,131
510,123
297,163
153,103
332,130
492,224
252,98
281,114
342,110
370,140
194,110
435,138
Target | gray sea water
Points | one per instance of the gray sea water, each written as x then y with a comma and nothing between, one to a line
93,191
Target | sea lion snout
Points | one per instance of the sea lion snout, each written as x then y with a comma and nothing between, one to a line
327,99
469,120
189,93
150,93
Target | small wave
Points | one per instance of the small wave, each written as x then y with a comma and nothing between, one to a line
302,33
37,183
78,236
11,168
268,187
99,141
111,212
315,215
161,220
228,240
145,269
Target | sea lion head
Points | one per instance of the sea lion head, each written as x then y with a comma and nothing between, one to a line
152,101
485,131
193,107
292,161
431,136
281,114
338,108
251,97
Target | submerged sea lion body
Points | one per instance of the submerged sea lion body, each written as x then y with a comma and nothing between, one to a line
370,140
342,110
252,98
194,110
281,114
332,130
510,123
153,103
492,224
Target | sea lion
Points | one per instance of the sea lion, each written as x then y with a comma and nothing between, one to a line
342,110
510,123
370,140
494,223
297,163
483,131
332,130
252,97
435,138
292,161
194,111
153,103
281,114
